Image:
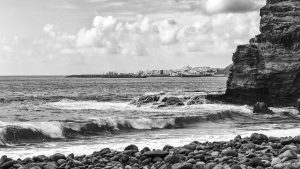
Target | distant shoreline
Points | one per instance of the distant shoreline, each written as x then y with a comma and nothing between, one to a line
137,76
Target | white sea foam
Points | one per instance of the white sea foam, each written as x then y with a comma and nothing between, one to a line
126,106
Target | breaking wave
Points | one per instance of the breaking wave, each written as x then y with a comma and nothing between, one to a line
32,132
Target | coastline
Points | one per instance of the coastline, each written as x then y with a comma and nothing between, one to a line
256,151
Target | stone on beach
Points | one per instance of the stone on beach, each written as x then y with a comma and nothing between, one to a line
156,153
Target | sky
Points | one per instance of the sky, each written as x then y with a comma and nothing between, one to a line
62,37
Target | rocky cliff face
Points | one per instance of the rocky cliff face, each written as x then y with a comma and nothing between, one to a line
268,69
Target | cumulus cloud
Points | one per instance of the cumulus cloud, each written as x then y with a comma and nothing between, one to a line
113,44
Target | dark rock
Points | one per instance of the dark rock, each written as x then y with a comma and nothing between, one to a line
132,160
167,147
199,165
61,161
219,166
104,151
3,159
50,166
287,155
268,68
35,167
166,166
124,158
172,159
296,139
145,149
146,161
7,164
229,152
210,165
157,159
190,146
173,101
182,166
274,139
57,156
196,100
261,108
30,165
254,162
39,158
236,167
147,99
200,157
258,138
132,147
71,156
156,153
287,141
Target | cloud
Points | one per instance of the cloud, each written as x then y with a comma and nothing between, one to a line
230,6
143,43
223,6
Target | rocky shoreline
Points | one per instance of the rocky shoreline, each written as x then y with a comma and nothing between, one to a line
257,151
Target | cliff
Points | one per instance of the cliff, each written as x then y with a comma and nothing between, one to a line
268,68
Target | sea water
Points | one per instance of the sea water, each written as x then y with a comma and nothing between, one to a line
47,115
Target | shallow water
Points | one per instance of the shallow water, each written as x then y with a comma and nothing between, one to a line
44,115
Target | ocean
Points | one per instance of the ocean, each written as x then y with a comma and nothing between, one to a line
47,115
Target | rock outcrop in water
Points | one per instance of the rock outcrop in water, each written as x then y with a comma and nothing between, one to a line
268,69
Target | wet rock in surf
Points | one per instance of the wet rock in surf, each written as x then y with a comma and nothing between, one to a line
146,100
196,100
261,108
171,101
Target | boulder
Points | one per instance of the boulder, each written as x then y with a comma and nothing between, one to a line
156,153
254,162
258,138
287,155
56,157
229,152
132,147
166,166
261,108
7,164
275,161
182,166
236,167
199,165
3,159
167,147
172,159
50,166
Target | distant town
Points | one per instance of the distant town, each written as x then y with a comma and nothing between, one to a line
186,71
